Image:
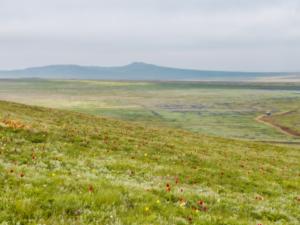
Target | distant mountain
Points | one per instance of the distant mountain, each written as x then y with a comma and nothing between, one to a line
133,71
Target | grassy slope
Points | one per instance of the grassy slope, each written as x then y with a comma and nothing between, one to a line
70,168
218,109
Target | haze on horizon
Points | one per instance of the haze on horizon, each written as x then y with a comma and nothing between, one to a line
240,35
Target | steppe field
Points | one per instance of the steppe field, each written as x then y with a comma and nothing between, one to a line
214,108
104,152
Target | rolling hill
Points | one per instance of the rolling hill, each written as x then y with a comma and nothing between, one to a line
61,167
135,71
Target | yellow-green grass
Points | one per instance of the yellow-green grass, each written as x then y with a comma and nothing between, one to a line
59,167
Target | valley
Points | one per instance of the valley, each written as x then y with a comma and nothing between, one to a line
214,108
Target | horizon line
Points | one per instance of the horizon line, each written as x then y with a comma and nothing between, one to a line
141,63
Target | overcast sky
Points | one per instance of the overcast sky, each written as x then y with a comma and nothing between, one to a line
248,35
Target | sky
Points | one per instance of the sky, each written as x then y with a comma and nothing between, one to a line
238,35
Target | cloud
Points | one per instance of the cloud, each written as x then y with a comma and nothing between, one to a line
175,32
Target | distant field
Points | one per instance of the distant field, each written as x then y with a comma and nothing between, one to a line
218,109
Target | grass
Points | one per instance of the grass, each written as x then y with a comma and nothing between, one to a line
60,167
219,109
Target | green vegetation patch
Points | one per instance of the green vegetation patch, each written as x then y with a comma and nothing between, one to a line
71,168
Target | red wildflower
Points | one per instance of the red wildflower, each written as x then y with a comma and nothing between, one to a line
200,202
168,187
91,188
22,174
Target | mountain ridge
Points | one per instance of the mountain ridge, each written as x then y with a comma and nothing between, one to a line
133,71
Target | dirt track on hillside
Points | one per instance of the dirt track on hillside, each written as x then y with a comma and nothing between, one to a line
268,121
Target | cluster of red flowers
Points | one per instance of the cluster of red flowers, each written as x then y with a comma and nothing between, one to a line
22,174
168,186
15,124
198,206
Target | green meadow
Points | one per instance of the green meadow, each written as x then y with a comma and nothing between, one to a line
63,167
102,152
